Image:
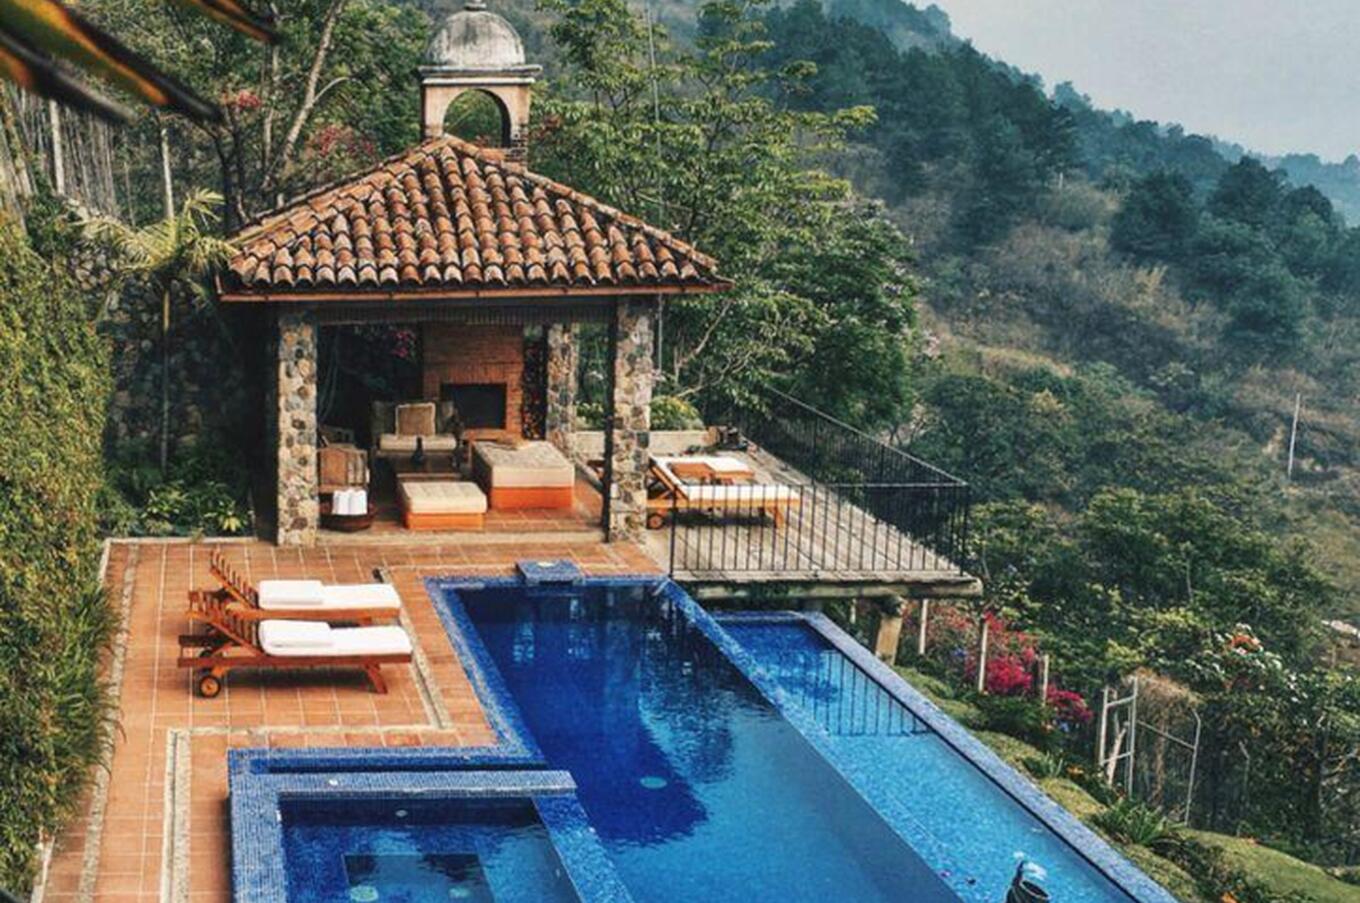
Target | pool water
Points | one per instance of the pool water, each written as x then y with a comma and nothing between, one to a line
698,788
419,851
974,830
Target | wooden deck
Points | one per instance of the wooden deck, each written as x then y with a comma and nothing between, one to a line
826,546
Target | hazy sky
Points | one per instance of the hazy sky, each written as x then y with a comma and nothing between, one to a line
1272,76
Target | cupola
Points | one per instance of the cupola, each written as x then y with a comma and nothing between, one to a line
476,50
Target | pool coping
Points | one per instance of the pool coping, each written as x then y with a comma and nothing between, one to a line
258,872
504,714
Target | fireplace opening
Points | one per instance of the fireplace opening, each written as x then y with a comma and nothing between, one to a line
481,406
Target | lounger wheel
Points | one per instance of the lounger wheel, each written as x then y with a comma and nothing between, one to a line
209,685
656,520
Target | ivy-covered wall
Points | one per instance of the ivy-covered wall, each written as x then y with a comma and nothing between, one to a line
54,621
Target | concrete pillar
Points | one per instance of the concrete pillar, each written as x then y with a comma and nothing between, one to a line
889,630
634,374
559,418
295,407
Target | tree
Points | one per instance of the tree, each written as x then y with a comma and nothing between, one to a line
176,252
698,144
1157,219
342,64
1247,193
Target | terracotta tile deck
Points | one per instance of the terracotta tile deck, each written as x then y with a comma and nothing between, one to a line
162,832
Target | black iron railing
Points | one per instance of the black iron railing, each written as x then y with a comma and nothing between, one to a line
838,500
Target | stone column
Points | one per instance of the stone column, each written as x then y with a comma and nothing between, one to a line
295,405
634,374
560,414
889,629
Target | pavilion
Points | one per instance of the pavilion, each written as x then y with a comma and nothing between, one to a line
471,250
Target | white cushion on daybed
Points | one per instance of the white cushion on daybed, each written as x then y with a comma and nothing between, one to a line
536,464
442,497
291,593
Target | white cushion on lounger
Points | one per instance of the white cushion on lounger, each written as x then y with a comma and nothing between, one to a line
290,593
313,638
361,595
751,494
295,637
388,640
716,463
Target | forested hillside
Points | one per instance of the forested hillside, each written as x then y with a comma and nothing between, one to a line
1131,272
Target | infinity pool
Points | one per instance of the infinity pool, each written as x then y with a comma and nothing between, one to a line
704,784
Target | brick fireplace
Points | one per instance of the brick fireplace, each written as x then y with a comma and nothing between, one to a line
480,366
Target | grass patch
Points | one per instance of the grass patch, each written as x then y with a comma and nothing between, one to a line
1283,874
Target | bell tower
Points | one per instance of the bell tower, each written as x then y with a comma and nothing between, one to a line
477,50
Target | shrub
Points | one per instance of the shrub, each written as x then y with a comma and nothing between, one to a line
1047,765
1070,710
1133,822
204,492
54,621
671,413
1020,717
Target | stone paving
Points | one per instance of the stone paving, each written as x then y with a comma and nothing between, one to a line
156,822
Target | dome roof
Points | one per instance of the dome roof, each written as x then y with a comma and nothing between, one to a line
474,38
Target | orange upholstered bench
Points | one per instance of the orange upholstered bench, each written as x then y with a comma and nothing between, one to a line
441,504
531,475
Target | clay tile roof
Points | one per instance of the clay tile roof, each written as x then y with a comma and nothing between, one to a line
448,215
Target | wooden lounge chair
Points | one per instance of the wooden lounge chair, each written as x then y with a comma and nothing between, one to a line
307,600
237,637
669,492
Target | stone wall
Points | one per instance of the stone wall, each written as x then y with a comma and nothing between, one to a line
560,414
208,386
294,399
633,378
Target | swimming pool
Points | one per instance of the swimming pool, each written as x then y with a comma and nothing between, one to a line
706,762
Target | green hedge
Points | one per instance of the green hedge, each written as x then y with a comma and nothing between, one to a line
54,620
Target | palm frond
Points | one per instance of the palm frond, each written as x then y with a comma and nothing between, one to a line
38,74
37,33
46,26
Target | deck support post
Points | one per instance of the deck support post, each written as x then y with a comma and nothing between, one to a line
889,630
921,629
630,423
294,427
559,420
